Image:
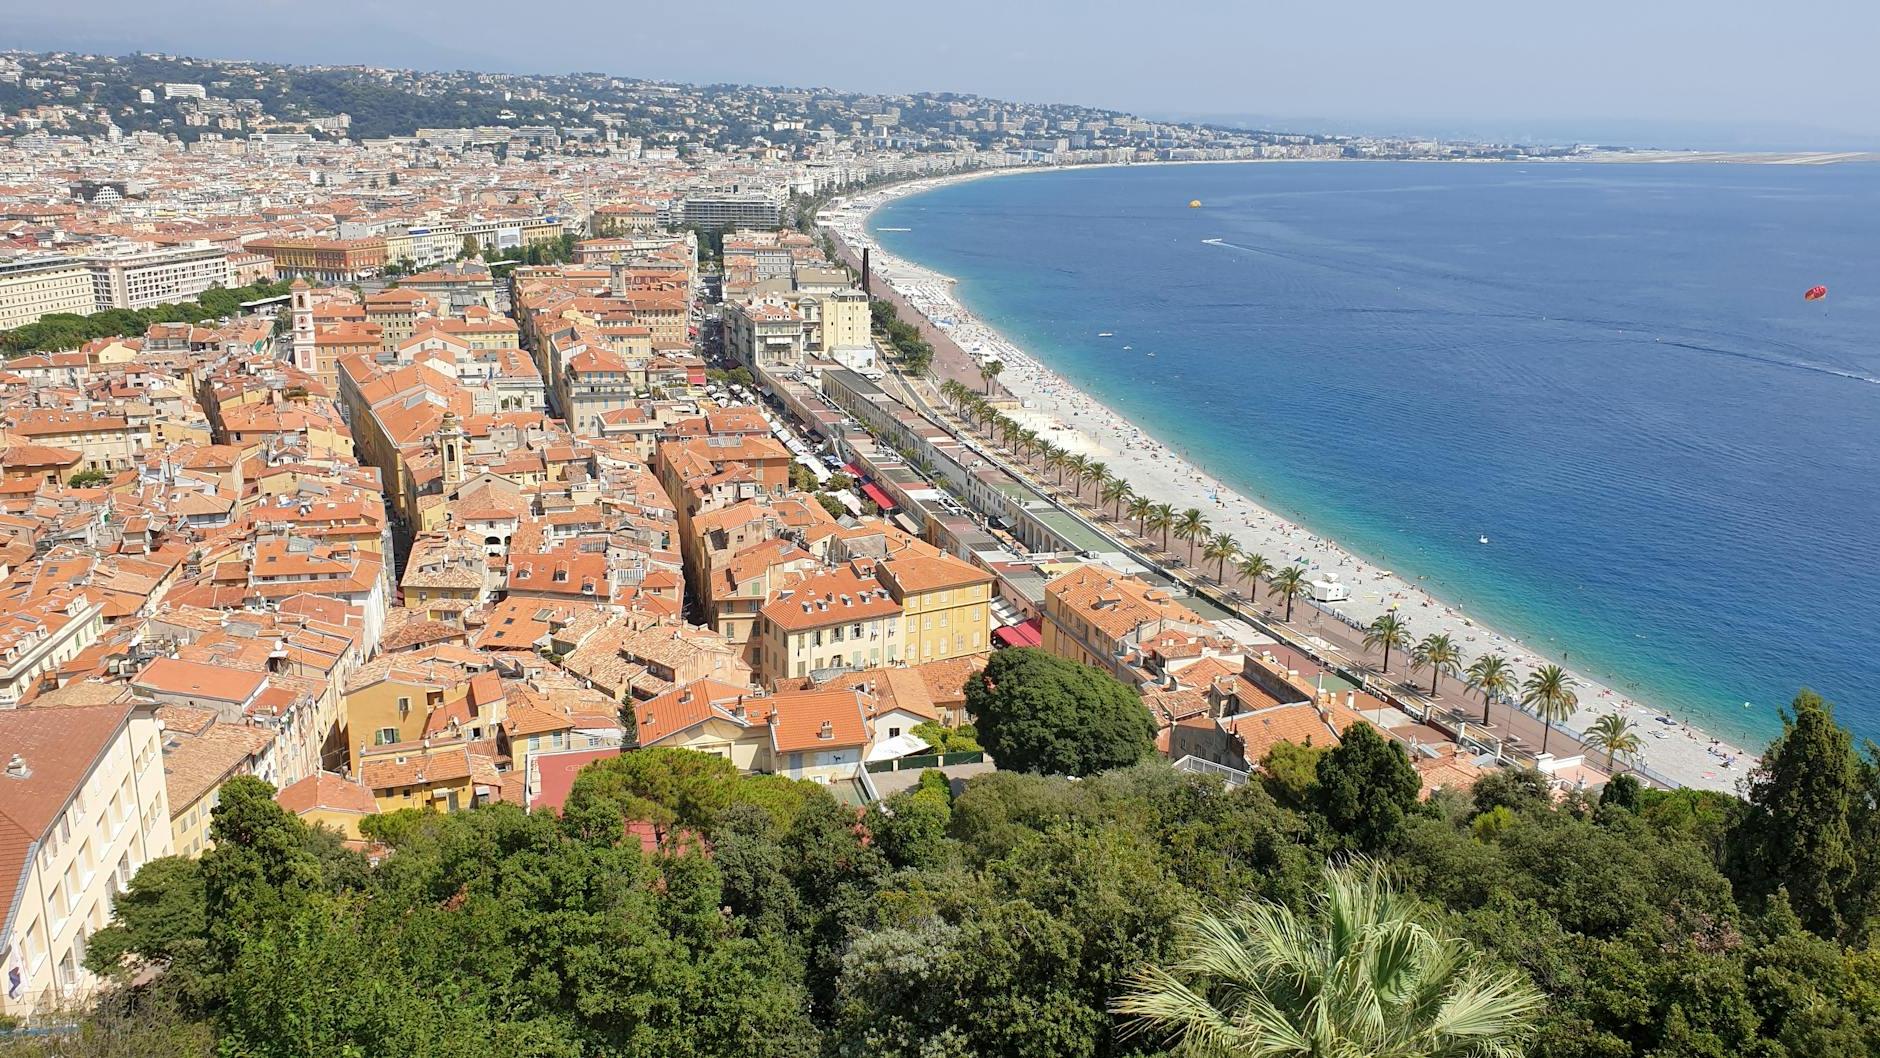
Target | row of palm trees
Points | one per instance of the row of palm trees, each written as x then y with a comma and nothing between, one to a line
1549,691
1094,482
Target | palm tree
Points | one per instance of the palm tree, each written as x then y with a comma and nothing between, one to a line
1191,526
954,392
1616,735
1162,519
1140,507
1078,465
1362,972
1493,676
1028,445
1057,459
1116,492
989,371
1220,548
1438,653
1387,631
1252,568
1289,583
1099,474
1550,691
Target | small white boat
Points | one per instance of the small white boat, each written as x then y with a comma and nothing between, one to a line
1151,354
1125,348
1105,334
1482,540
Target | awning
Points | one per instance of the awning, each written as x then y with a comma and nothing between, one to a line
874,492
1024,634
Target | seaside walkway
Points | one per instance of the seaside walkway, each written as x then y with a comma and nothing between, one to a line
1511,732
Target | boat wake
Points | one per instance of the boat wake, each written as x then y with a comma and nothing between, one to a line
1775,361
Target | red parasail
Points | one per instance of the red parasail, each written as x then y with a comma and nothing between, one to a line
1815,294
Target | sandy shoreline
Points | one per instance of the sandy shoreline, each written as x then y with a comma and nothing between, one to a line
1078,422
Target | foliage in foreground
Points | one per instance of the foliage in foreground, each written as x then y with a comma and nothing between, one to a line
1008,919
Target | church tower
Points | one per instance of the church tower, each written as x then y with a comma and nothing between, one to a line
305,356
450,448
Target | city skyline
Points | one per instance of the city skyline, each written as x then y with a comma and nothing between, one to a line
1675,75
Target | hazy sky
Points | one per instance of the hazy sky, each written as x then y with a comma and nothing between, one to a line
1559,68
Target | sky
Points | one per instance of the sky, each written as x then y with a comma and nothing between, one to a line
1719,70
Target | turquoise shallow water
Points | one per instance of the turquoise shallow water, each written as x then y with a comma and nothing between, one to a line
1608,369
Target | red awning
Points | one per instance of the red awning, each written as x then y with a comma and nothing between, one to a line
1026,634
882,499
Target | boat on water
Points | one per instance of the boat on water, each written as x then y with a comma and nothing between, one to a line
1151,354
1105,334
1482,540
1126,348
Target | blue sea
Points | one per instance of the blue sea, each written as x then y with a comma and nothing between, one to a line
1609,370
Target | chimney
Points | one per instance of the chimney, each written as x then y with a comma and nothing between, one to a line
17,769
827,731
1222,699
1351,700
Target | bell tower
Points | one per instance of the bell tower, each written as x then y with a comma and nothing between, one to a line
305,356
450,448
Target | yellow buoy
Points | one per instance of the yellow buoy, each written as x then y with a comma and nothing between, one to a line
1194,203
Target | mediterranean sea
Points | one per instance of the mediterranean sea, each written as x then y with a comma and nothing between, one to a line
1609,370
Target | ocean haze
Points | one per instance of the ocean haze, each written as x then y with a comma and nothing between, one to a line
1466,64
1607,369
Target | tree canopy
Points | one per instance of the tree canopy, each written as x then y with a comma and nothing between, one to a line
1005,917
1039,712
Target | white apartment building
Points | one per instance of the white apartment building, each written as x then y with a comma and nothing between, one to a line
38,638
138,279
83,805
31,287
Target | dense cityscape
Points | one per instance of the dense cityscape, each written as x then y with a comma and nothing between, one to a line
501,564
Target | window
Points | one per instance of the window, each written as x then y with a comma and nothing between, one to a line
385,736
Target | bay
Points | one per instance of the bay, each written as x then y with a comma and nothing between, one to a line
1608,369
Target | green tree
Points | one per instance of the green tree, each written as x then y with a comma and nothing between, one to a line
1806,799
159,921
990,370
672,789
1438,653
1288,584
1387,631
948,739
1615,734
1036,712
1115,492
911,826
470,248
1548,690
1492,676
1192,526
1140,508
1251,568
1365,788
1162,520
259,871
86,479
1364,973
1220,549
1289,770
